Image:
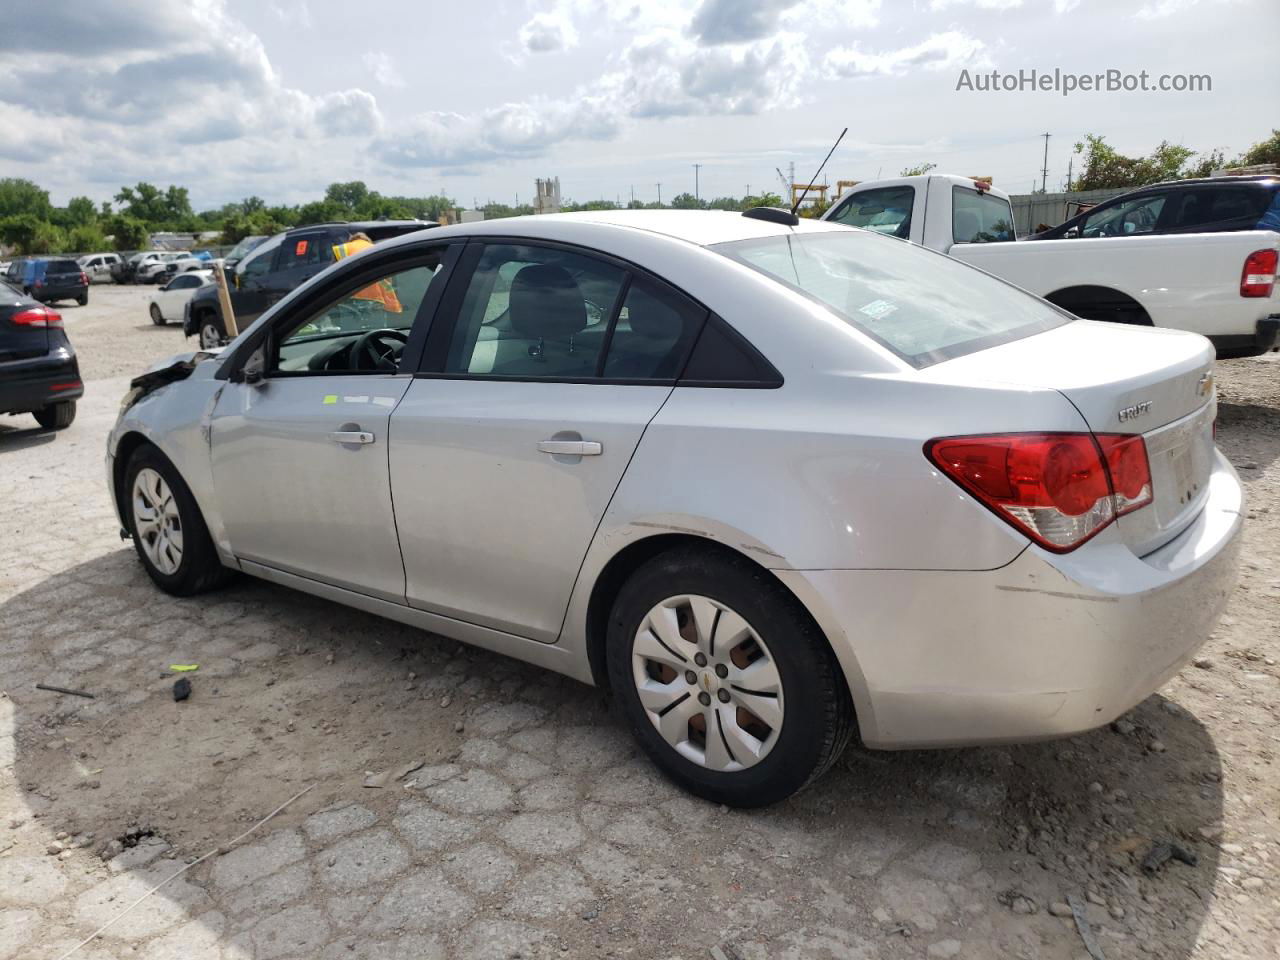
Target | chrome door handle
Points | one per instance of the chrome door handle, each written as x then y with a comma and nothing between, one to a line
571,448
351,436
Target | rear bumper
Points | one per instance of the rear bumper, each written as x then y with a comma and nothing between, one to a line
27,385
1261,341
1047,646
60,291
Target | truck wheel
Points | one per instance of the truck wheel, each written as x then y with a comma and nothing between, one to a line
56,416
210,335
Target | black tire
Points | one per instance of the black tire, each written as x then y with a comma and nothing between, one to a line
83,299
199,570
818,719
209,330
156,316
56,416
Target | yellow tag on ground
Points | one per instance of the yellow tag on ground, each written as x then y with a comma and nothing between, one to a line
184,667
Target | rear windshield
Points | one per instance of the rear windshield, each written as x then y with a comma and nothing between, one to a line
980,217
923,306
62,266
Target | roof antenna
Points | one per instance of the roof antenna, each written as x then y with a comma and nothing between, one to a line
796,206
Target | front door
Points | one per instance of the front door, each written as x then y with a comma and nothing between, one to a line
506,451
300,457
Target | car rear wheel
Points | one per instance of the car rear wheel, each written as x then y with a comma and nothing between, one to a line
156,316
83,299
56,416
169,534
725,679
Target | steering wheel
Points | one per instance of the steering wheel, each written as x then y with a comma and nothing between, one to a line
379,350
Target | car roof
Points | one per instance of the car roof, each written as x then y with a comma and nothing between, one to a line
701,227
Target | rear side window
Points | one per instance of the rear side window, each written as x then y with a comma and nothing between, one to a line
653,333
923,306
978,217
1214,208
886,210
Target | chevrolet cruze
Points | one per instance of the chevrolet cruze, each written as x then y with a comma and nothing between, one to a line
776,483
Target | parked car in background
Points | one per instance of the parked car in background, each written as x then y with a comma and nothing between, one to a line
1221,285
1211,205
153,271
169,302
101,267
38,369
277,266
129,273
564,438
172,268
49,279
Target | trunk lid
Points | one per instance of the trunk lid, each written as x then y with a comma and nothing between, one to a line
1126,380
19,341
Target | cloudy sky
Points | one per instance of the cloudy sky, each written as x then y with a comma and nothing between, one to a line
280,97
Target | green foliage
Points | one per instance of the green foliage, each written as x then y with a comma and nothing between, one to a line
919,170
1265,151
687,201
86,238
128,232
762,200
19,196
1105,167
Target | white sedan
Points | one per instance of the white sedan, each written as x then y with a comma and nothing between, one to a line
167,302
774,482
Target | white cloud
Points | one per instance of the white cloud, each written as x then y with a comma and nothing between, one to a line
1158,9
292,13
980,4
939,51
379,64
737,21
548,32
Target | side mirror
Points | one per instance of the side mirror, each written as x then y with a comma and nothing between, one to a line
254,368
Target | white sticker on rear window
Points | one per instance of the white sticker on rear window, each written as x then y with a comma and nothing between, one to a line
878,309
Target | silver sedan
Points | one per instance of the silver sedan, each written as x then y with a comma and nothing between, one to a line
774,483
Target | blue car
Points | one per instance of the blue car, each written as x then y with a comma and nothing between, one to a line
49,278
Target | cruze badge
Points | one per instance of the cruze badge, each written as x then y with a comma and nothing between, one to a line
1135,411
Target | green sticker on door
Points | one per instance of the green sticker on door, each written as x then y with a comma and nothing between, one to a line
330,399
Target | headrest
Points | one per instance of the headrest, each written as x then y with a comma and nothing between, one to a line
652,318
546,303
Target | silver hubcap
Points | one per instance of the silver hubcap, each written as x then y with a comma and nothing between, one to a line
156,520
208,336
708,683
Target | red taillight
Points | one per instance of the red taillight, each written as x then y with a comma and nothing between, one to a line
37,317
1059,489
84,278
1259,274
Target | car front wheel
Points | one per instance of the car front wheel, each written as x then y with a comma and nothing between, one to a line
168,531
210,335
725,679
156,316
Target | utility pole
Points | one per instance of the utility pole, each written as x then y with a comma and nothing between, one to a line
696,194
659,194
633,193
1044,172
1070,162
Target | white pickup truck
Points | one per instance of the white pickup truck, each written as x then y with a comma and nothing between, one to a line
1221,285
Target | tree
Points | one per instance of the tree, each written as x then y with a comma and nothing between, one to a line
87,238
81,211
128,233
919,170
347,195
1105,167
763,200
687,201
156,207
19,196
1265,151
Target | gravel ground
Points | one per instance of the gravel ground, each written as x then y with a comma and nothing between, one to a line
533,828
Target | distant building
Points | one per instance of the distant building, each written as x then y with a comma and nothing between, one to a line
471,216
547,199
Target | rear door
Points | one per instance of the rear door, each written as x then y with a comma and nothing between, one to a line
544,367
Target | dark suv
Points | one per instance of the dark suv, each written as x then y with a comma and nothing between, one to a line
1211,205
49,279
276,267
38,369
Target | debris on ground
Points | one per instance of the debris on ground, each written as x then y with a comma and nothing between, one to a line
1162,853
725,952
1017,901
183,667
181,689
1083,928
74,693
377,781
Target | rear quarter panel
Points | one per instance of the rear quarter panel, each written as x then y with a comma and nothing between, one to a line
1185,282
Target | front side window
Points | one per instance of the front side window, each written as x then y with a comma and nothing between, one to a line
365,330
923,306
534,312
1125,219
978,217
885,210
